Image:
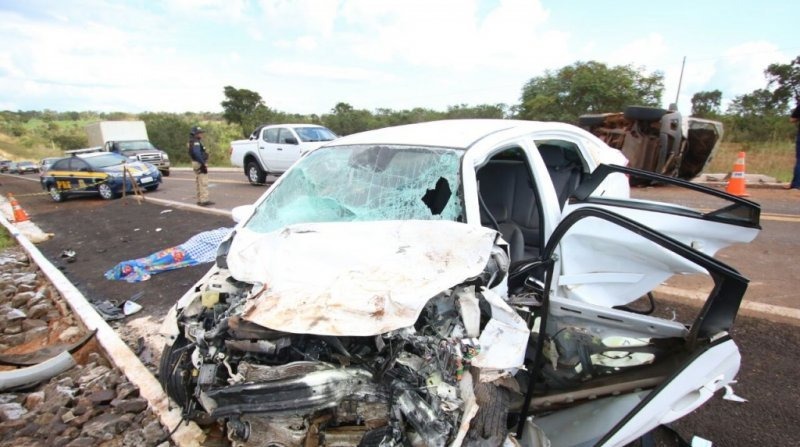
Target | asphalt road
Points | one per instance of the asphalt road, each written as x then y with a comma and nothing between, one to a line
106,232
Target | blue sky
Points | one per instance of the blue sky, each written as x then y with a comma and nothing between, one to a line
304,56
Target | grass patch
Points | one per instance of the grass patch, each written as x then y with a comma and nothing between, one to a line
775,159
5,239
11,149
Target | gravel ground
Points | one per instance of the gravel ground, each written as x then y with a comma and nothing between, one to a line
91,403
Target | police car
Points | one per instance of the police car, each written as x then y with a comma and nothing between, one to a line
104,173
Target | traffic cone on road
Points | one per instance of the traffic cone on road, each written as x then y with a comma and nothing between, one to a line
19,214
736,183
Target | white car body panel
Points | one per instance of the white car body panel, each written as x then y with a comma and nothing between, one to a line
690,389
603,266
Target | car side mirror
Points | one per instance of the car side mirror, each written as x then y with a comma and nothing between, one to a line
241,213
290,140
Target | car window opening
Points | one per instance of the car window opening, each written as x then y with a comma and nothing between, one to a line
510,202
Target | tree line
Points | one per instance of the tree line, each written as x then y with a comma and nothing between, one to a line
557,95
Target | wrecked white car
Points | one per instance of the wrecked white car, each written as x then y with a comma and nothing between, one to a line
473,282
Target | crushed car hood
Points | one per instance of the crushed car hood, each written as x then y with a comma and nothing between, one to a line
354,278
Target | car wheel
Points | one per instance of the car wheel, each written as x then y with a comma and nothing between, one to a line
173,370
105,191
255,174
644,113
151,188
55,194
489,426
165,173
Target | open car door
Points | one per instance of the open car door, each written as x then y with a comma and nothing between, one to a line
605,374
623,276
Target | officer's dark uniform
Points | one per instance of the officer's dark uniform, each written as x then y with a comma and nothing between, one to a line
199,156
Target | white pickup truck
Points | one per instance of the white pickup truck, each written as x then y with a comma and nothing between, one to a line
273,149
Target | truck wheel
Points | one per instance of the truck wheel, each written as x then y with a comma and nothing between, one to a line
255,174
105,191
55,194
165,173
644,113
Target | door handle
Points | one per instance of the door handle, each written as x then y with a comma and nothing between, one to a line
280,148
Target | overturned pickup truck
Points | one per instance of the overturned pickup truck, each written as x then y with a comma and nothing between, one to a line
475,282
658,140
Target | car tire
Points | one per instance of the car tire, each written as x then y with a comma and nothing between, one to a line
489,426
165,173
591,120
172,356
106,192
255,175
151,188
55,194
642,113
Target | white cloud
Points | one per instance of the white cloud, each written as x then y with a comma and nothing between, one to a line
304,43
741,68
452,34
301,16
222,10
327,72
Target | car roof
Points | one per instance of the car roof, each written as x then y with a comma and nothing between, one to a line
450,133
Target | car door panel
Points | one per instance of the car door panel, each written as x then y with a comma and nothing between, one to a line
709,372
267,150
708,231
684,363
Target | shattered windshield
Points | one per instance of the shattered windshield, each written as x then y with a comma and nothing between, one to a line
365,183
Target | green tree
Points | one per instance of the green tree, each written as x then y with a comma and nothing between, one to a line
758,116
706,104
170,133
245,108
345,120
785,78
761,102
480,111
588,87
68,140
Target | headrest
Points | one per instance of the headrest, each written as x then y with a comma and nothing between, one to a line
553,156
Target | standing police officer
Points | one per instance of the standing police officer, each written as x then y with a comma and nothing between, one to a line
199,156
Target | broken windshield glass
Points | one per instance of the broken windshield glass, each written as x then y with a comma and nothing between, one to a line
365,183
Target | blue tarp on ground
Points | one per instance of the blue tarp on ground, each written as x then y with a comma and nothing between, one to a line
200,249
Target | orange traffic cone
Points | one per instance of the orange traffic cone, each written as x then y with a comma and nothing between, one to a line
19,214
736,184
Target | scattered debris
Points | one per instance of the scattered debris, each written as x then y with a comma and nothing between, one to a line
68,255
108,310
130,308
